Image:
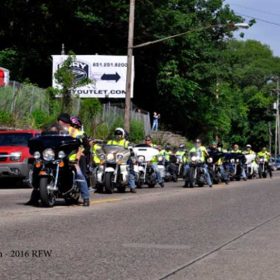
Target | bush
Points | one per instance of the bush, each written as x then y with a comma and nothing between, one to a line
6,118
137,132
90,108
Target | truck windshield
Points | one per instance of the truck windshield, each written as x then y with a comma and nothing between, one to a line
14,139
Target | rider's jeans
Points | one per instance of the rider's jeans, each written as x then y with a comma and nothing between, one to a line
207,175
82,183
155,167
131,181
243,173
223,173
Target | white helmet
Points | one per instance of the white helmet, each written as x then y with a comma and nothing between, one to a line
120,131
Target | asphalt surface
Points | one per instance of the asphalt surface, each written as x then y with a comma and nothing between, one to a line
227,232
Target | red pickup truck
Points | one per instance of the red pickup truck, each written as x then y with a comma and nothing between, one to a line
14,153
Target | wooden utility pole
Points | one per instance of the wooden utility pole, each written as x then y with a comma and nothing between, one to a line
129,82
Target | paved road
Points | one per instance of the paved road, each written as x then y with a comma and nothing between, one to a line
228,232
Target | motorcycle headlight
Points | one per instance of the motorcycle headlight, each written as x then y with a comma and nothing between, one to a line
37,155
119,157
141,158
261,160
210,160
160,158
193,158
102,157
110,157
61,155
15,156
237,160
48,154
232,160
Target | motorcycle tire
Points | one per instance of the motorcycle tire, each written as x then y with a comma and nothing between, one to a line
151,185
48,199
108,182
191,178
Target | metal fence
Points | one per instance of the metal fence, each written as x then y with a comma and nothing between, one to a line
23,99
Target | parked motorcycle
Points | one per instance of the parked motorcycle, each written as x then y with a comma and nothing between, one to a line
144,171
213,167
263,167
251,167
113,171
180,166
233,164
196,173
171,169
53,175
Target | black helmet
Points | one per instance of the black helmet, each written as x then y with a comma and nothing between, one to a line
64,117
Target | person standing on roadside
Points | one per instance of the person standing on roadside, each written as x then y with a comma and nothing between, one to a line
156,117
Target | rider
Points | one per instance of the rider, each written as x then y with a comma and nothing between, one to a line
266,155
213,148
75,131
63,120
119,138
166,152
182,152
249,151
236,150
148,141
122,142
201,152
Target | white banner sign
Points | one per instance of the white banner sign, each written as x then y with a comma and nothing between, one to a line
107,73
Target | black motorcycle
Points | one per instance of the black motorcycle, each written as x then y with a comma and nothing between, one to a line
213,167
264,168
53,175
233,164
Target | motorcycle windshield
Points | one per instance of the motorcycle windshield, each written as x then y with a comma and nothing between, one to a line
113,149
58,143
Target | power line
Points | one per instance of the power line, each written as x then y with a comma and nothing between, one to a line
259,19
256,10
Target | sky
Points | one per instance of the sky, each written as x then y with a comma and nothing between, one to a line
267,15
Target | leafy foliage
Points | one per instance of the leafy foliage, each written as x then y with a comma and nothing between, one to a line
203,83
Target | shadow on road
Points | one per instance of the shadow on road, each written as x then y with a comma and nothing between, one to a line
8,183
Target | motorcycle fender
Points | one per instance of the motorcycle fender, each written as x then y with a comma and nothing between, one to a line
109,169
124,173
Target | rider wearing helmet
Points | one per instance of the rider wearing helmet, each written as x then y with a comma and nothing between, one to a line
166,152
236,150
182,152
266,155
119,138
202,153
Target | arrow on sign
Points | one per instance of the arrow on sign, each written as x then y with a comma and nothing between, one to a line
111,77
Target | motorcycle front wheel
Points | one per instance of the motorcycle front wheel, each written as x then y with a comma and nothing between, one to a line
47,198
108,182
